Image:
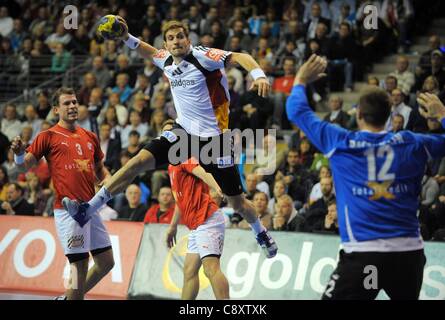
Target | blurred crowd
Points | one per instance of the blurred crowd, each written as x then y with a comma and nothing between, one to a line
125,99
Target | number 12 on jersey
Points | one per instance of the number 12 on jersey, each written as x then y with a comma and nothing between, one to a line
386,152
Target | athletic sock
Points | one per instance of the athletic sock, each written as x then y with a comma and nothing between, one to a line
99,199
257,227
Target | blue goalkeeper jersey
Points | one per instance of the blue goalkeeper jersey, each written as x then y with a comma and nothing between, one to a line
377,176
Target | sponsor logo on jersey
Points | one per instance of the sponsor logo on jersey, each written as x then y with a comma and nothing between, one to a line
182,83
215,54
160,54
170,136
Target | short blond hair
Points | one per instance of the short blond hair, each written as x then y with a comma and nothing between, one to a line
174,24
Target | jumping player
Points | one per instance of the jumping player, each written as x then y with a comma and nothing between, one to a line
200,93
75,162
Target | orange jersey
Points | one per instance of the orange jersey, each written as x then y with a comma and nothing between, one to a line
71,157
192,195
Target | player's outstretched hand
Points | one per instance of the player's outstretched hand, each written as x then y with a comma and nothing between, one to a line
431,106
125,25
262,85
171,237
17,145
312,70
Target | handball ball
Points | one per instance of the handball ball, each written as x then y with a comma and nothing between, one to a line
110,27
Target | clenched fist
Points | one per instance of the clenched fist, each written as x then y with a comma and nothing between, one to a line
17,146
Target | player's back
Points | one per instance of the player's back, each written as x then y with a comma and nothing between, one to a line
191,194
377,177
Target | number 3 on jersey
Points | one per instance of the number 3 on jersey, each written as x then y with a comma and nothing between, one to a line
386,152
79,149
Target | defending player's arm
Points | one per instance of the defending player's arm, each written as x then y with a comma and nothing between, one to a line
171,231
199,172
323,135
250,65
23,160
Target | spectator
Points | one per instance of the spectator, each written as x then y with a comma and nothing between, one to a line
59,37
398,106
135,209
123,66
26,135
11,126
152,20
390,84
316,214
157,119
16,203
111,148
260,201
282,87
153,74
278,190
110,55
343,13
311,22
331,219
80,43
316,193
34,193
305,153
397,121
163,211
405,78
255,110
133,143
143,88
234,108
122,88
135,124
436,70
95,103
4,182
6,22
424,64
61,59
251,185
244,39
342,53
43,106
336,114
119,111
101,72
374,81
17,35
89,83
430,190
11,167
286,218
83,118
32,120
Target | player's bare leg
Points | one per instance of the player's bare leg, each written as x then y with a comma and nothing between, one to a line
77,279
245,207
190,287
218,280
103,263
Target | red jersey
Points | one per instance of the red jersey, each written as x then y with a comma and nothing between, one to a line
153,214
71,157
192,195
283,84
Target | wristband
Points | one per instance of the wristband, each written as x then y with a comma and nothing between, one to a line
19,159
132,42
257,73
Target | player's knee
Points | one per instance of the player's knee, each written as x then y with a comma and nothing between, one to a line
211,267
190,272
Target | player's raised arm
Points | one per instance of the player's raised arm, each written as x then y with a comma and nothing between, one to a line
323,135
261,83
200,173
144,49
22,159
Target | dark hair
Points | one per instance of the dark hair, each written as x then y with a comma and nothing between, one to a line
174,24
59,92
6,178
391,77
134,133
331,202
263,193
375,106
17,187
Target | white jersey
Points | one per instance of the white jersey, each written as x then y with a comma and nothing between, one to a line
199,89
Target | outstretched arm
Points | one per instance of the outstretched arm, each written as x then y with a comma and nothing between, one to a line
323,135
208,179
250,65
144,49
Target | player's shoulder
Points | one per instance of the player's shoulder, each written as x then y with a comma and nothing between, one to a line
207,53
161,54
87,133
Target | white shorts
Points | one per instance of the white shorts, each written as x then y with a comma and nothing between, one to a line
75,239
208,238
